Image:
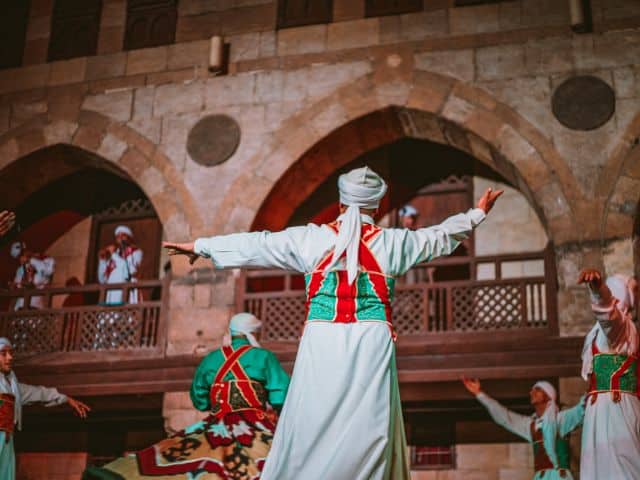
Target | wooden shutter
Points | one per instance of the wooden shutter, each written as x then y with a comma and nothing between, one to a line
150,23
295,13
13,28
74,29
376,8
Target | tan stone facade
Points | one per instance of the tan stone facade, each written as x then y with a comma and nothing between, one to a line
479,79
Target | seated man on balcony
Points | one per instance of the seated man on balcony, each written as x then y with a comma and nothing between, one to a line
35,271
238,384
547,429
611,433
342,418
13,396
119,263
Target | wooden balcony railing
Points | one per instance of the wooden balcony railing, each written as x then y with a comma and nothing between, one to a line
519,301
75,319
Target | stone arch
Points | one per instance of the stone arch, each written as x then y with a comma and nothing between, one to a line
620,185
119,145
429,106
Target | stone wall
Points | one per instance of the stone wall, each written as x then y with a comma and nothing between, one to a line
70,253
477,78
52,466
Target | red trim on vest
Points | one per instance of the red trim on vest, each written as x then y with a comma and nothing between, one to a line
231,356
7,412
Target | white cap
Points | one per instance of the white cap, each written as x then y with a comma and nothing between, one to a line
547,388
408,211
244,324
5,343
123,229
16,249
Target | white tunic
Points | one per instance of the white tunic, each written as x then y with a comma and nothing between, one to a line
119,269
342,417
611,431
28,394
43,271
566,421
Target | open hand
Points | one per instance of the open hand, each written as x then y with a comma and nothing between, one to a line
472,384
488,199
81,409
591,276
181,249
7,219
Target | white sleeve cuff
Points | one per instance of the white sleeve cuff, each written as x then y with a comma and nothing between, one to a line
477,216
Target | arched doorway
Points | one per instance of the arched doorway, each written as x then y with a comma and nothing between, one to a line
68,201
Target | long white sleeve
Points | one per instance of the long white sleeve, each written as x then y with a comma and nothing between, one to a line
296,248
134,260
512,421
411,247
50,396
44,267
571,418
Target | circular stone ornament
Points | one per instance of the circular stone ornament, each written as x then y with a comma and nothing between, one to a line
583,102
213,140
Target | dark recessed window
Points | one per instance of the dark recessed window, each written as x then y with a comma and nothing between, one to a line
74,28
376,8
150,23
13,28
466,3
296,13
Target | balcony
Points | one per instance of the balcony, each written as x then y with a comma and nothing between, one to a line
74,325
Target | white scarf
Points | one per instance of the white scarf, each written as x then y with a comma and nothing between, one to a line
360,188
243,324
548,422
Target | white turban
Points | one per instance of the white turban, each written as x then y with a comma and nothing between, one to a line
360,188
408,211
16,249
547,388
244,324
12,381
123,229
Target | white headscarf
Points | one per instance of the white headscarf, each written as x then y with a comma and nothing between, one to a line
622,338
16,249
360,188
12,382
548,422
244,324
123,229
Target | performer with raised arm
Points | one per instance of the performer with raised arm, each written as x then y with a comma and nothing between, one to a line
238,384
342,418
611,432
13,396
547,429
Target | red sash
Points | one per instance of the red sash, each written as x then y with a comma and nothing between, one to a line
7,419
221,391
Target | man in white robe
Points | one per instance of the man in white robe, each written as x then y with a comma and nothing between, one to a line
13,396
34,271
342,418
611,432
119,263
546,430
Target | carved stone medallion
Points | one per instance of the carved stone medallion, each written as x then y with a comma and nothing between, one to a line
583,102
213,140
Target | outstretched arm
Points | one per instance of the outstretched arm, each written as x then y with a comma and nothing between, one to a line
51,397
512,421
600,293
253,249
571,418
429,243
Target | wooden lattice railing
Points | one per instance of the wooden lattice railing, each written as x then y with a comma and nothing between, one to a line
423,307
74,319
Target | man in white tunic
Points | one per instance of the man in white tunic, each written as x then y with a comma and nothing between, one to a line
35,271
342,418
546,430
611,432
119,263
13,396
